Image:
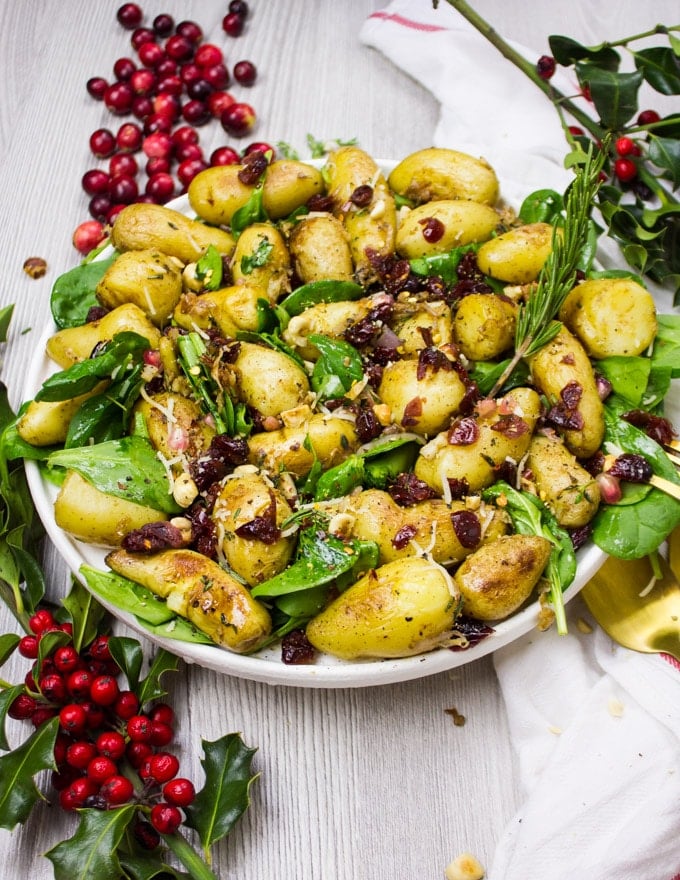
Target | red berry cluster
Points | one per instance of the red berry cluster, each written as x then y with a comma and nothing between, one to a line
176,84
107,751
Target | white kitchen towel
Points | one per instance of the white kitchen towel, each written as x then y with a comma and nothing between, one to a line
596,727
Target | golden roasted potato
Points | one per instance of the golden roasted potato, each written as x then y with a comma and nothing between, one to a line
261,259
562,371
331,438
324,319
503,433
319,249
370,221
430,524
140,226
484,326
289,184
414,324
175,424
611,316
286,384
246,496
421,400
461,222
440,173
229,309
73,344
148,278
46,422
399,609
517,256
199,589
95,517
499,577
567,489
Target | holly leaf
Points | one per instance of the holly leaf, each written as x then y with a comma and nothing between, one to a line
225,796
7,697
613,94
665,153
566,51
18,791
142,866
150,688
8,643
92,851
128,655
660,67
85,612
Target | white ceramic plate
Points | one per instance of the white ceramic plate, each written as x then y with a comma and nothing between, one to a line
266,666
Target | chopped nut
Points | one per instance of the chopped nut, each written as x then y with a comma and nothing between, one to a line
583,626
458,719
464,867
556,730
615,707
35,267
185,490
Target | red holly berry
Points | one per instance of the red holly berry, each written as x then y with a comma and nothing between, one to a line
545,66
165,818
624,146
104,690
162,712
23,706
625,170
117,790
101,768
648,117
126,705
28,647
73,718
111,744
179,792
40,621
163,767
80,753
66,659
140,728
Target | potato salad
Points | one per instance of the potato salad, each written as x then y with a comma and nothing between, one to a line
297,411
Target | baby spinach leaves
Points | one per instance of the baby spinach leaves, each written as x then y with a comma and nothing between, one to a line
324,291
74,292
338,368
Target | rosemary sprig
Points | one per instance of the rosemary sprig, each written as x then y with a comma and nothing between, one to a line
536,324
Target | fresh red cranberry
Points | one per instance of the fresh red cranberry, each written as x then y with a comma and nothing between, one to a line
140,36
163,767
239,119
179,792
66,659
239,7
104,690
190,30
188,151
117,790
184,135
165,818
96,87
129,137
23,706
260,147
167,104
80,753
102,143
163,712
187,170
224,156
100,768
137,753
171,85
157,165
167,67
111,744
126,705
123,163
53,687
648,117
113,213
196,112
199,90
232,24
545,66
74,796
219,101
161,186
123,189
190,72
151,54
140,728
119,97
179,48
158,145
245,73
99,207
143,82
28,647
158,122
123,68
208,54
129,15
72,718
163,24
625,170
142,107
217,76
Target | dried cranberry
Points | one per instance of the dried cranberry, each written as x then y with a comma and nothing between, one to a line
473,630
320,202
403,536
632,468
203,531
362,196
433,229
296,648
367,425
153,536
262,528
510,425
254,166
580,535
412,412
458,488
463,432
656,427
467,527
406,489
434,358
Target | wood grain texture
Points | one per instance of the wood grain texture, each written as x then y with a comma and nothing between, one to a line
367,784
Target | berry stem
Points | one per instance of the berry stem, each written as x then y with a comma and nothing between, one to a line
557,98
188,856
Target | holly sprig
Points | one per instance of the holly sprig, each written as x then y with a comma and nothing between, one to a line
638,200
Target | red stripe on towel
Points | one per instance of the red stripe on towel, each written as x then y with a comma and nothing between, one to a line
673,662
407,22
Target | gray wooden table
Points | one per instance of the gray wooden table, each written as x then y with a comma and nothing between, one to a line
355,784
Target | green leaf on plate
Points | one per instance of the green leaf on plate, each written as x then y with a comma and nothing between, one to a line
92,851
224,797
73,293
18,791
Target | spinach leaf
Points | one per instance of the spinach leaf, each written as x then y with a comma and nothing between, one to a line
127,468
325,291
252,212
666,351
338,368
443,265
73,293
487,373
341,479
209,268
541,206
628,376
